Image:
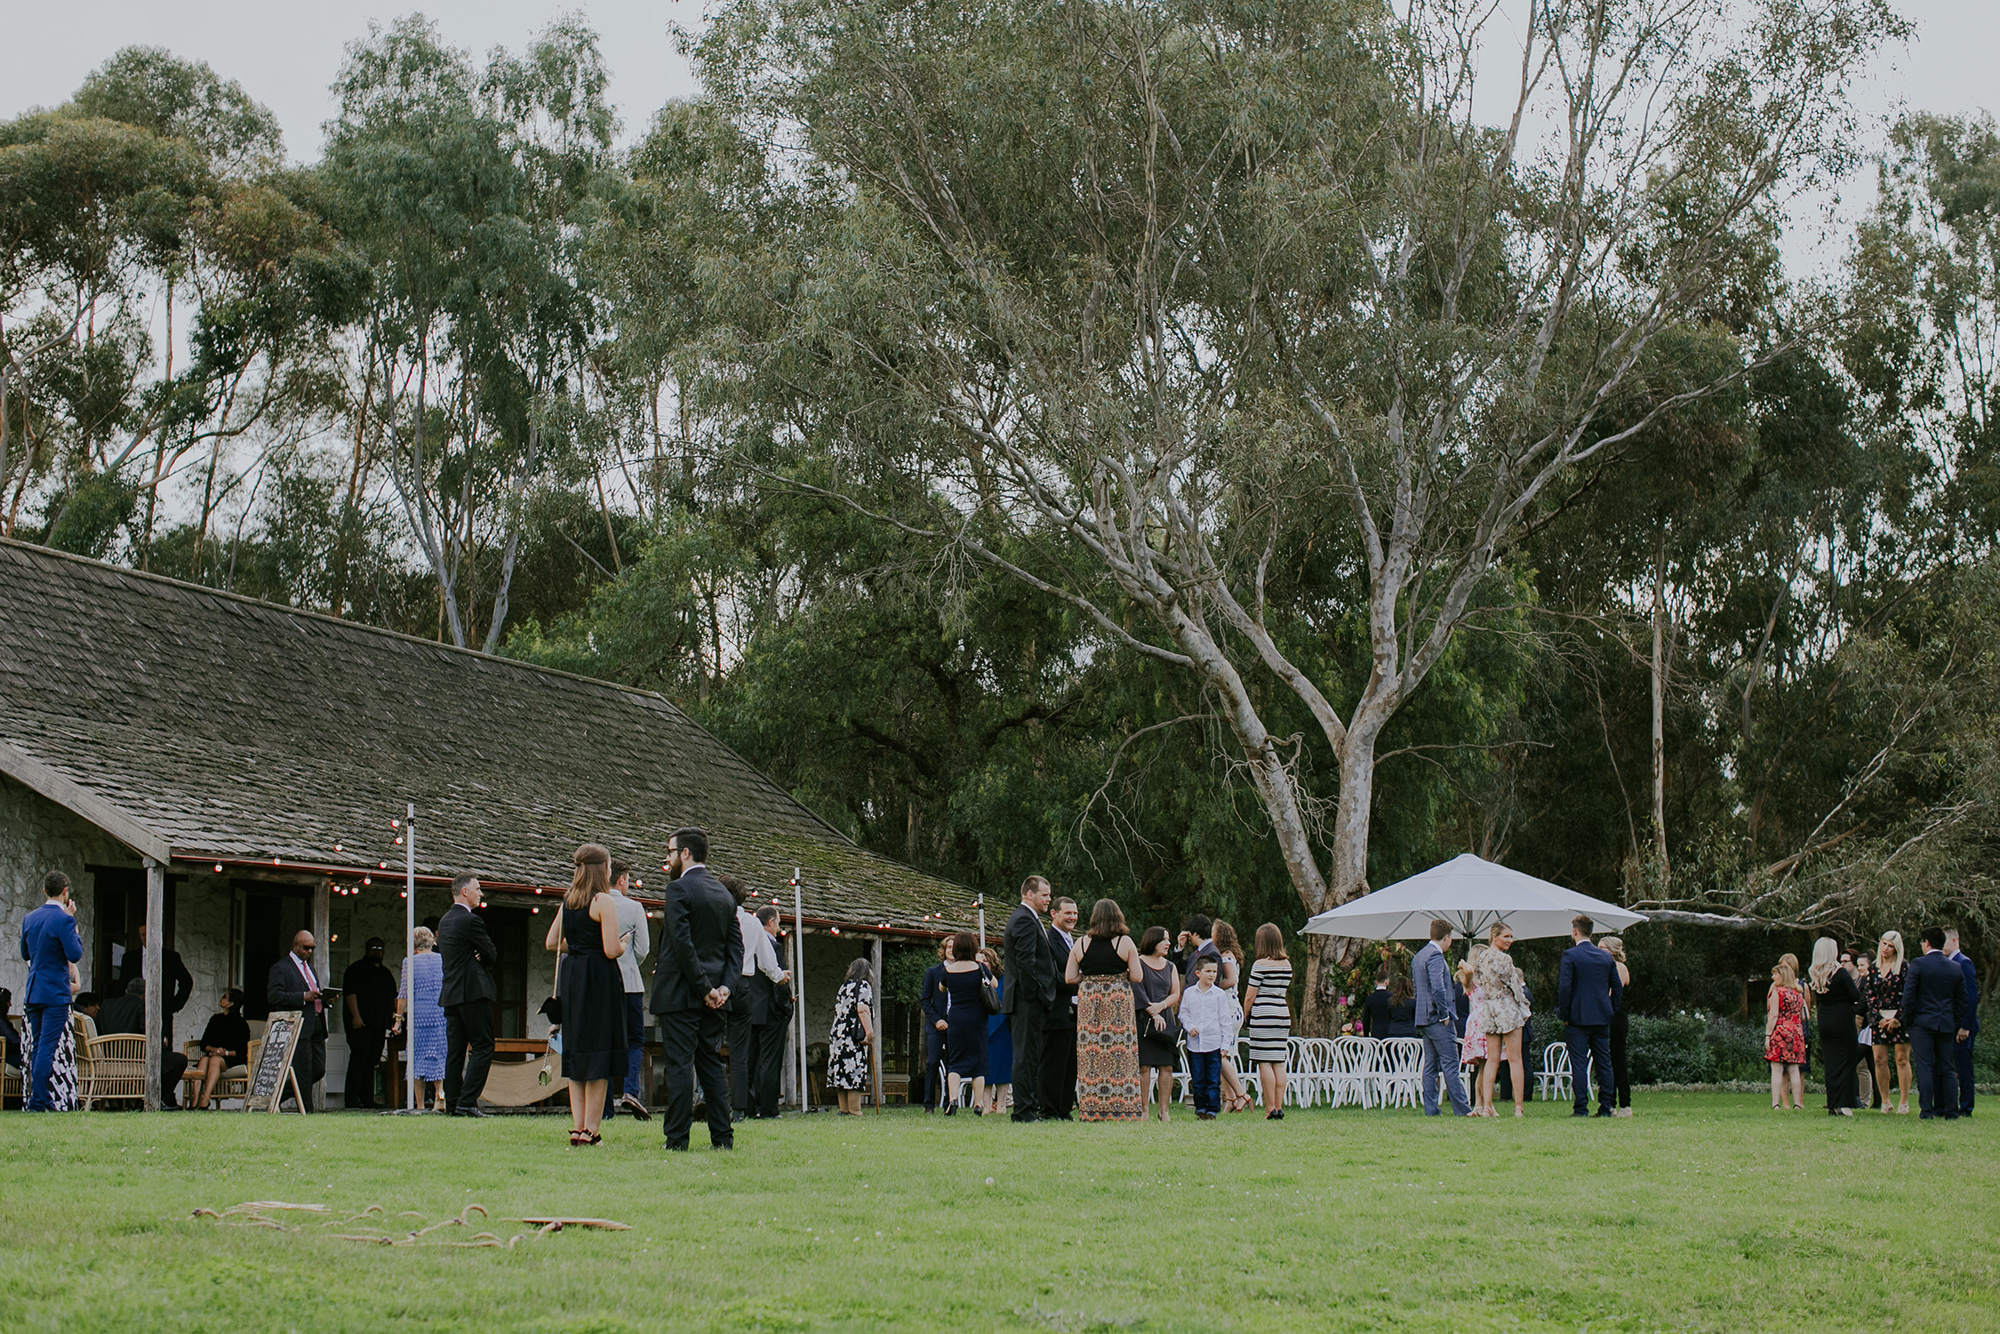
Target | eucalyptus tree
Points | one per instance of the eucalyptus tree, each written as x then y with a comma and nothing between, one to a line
467,194
1179,288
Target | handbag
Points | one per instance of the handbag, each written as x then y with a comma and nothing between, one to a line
989,992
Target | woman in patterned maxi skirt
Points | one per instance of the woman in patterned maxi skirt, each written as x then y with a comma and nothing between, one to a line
1103,965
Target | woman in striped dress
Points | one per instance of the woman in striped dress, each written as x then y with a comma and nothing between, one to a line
1270,1013
1103,965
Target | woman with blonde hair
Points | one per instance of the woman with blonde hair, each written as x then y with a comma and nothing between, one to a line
1885,996
1103,966
1621,1027
1785,1037
1234,963
1503,1002
1841,1014
591,989
1268,1003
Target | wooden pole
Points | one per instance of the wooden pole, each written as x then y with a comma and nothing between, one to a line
154,965
322,910
875,1029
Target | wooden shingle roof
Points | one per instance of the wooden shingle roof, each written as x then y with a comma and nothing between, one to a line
218,726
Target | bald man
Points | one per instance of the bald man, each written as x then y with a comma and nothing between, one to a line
293,986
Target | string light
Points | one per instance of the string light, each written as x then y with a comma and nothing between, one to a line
218,868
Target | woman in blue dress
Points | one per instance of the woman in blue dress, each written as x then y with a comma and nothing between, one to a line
421,1017
965,1023
999,1042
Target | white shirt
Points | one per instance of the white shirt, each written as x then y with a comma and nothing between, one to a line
758,951
638,938
1205,1017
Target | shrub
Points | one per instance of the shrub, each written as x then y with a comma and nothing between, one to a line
1670,1049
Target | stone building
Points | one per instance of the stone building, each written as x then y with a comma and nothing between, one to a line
233,771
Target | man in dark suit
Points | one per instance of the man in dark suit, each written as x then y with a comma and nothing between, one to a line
770,1020
1196,942
932,1008
176,983
1933,1013
1964,1049
1030,993
1587,992
1057,1085
692,975
292,985
466,998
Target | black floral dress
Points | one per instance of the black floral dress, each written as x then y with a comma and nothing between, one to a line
1885,992
846,1048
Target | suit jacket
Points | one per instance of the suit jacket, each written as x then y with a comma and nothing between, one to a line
176,983
121,1014
1064,1013
1206,950
1587,989
1431,976
1933,994
468,953
702,946
1964,962
50,944
285,989
934,998
1030,963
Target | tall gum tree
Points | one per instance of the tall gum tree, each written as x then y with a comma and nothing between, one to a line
1183,283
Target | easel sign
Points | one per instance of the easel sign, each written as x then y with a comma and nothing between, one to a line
274,1064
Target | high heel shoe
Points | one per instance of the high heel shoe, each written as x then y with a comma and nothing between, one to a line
576,1139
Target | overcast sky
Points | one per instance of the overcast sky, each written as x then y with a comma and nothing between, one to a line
287,55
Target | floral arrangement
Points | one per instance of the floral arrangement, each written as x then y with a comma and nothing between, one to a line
1360,979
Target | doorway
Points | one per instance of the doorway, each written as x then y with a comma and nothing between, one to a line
272,916
118,910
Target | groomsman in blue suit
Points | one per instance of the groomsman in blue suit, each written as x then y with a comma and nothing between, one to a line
1964,1049
50,944
1587,995
1431,975
1933,1013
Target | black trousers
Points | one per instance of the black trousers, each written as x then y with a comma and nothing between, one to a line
1589,1044
468,1053
309,1057
1963,1052
364,1057
1934,1060
767,1065
1056,1086
1621,1074
739,1056
173,1065
691,1047
933,1058
1031,1016
1842,1056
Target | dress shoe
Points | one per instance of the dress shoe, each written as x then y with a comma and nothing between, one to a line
730,1147
677,1148
734,1117
1604,1111
470,1111
1026,1118
635,1107
1579,1113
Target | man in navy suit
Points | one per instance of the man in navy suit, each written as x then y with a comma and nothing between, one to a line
932,1006
1933,1013
1964,1049
1587,994
50,944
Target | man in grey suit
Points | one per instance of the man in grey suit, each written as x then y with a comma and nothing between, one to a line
700,959
1435,1013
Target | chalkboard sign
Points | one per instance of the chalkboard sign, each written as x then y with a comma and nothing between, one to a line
273,1074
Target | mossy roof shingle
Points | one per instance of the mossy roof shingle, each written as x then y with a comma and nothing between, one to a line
242,730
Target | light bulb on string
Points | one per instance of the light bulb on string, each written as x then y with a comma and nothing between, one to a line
218,868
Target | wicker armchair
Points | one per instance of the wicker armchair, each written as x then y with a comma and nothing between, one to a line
83,1030
117,1068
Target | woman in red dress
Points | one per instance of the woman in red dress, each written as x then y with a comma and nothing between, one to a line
1785,1036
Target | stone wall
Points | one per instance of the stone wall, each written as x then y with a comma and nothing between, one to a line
36,837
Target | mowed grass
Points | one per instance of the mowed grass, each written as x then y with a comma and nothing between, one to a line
1705,1212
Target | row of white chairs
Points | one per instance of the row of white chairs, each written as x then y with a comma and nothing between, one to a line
1368,1072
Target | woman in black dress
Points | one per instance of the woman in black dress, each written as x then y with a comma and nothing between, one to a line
1375,1006
1841,1014
965,1023
1892,1041
225,1043
1156,997
591,989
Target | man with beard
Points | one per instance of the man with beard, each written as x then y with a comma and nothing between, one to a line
699,962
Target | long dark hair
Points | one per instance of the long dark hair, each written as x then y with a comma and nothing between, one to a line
1107,920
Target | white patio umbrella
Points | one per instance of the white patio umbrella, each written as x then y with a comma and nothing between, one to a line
1472,894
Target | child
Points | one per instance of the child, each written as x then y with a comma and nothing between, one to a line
1205,1019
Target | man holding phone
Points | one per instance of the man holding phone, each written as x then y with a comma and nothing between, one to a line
50,944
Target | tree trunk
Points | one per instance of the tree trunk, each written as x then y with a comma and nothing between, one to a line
1659,666
1347,879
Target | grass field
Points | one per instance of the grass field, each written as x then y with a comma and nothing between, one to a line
1705,1211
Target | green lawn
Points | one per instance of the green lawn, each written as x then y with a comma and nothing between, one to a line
1706,1211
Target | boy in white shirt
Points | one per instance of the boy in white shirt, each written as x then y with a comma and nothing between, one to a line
1205,1018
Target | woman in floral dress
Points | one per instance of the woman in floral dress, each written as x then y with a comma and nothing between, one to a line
1785,1036
847,1044
1892,1041
1473,1045
1503,1008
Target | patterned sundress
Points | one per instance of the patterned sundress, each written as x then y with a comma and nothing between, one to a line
1107,1038
1787,1043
